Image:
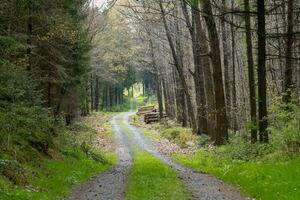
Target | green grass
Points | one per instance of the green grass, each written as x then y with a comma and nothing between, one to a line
55,178
264,179
71,162
150,179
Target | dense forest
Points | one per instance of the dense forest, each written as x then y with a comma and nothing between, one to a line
228,71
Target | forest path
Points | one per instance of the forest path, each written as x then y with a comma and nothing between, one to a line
111,185
201,186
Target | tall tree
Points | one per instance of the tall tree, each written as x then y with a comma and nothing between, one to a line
261,72
251,75
221,134
288,78
179,67
196,32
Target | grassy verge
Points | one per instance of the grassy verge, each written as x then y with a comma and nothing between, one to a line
263,171
151,179
54,179
51,175
262,179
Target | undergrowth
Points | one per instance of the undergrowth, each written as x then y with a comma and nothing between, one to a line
40,158
264,171
52,175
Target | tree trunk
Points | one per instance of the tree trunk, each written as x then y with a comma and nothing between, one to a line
200,49
233,48
179,67
251,75
92,93
97,93
288,75
180,102
195,28
261,72
159,97
226,55
221,135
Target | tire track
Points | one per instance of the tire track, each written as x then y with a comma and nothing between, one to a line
111,184
201,186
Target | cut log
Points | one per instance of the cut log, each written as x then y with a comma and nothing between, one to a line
145,109
152,117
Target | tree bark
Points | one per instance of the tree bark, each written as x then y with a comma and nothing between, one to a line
261,72
226,55
288,75
195,29
233,48
92,92
180,101
97,93
179,67
251,75
221,135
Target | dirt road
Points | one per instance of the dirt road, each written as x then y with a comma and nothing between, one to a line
111,185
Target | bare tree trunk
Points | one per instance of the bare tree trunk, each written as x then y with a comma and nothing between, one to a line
159,97
195,29
92,92
158,81
179,67
226,55
251,75
221,135
233,47
180,101
97,95
261,72
199,74
167,100
288,78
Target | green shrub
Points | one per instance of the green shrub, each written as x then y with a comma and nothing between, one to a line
204,141
26,127
285,128
244,151
134,119
171,133
179,135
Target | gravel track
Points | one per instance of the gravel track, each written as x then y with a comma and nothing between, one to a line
201,186
111,184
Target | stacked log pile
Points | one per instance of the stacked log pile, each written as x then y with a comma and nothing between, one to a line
145,109
152,117
150,114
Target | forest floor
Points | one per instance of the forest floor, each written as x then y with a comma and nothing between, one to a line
143,172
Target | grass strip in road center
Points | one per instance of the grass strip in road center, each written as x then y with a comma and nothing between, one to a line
150,179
